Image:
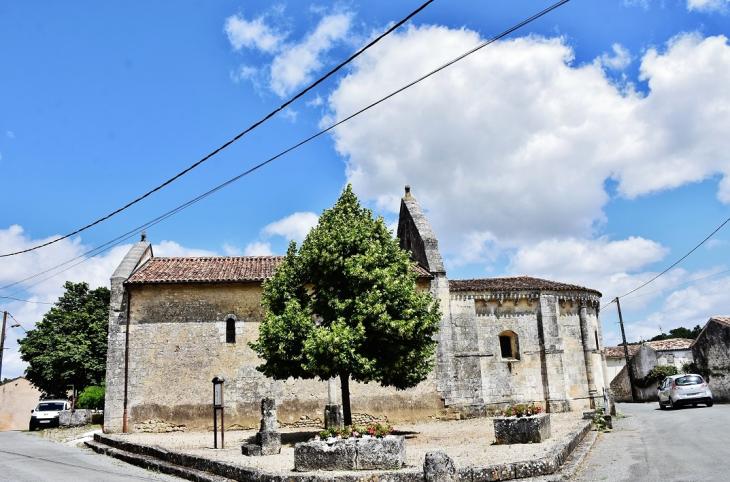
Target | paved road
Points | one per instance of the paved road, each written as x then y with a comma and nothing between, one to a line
26,457
690,444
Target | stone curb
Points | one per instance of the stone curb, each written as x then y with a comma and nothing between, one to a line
181,461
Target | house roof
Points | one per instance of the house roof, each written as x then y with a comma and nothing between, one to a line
670,344
521,283
618,351
725,320
220,269
660,345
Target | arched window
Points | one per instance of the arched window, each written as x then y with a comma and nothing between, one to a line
509,345
230,330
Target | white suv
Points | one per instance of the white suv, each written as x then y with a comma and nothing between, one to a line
46,413
688,389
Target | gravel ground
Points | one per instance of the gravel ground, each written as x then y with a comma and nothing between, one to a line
468,442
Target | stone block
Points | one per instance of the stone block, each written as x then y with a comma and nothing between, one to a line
367,453
319,455
270,442
439,467
251,450
333,416
511,430
388,452
74,418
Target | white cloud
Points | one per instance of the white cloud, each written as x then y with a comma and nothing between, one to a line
637,3
257,248
252,34
316,102
289,114
172,249
619,61
231,250
95,271
10,134
243,73
296,64
293,64
708,5
295,226
514,143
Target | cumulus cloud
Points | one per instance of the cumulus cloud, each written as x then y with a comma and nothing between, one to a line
708,5
514,144
620,59
253,34
295,226
293,63
173,249
258,248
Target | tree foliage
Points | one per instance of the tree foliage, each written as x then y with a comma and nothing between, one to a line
69,345
92,397
680,332
346,304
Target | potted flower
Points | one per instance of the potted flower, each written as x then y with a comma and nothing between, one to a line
522,424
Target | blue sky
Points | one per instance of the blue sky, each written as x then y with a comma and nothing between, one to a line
589,147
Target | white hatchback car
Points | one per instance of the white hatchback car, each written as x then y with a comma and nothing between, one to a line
46,413
687,389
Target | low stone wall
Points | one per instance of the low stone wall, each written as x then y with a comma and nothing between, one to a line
529,468
74,418
367,453
158,426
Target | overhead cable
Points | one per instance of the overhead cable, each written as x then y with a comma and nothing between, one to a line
227,144
174,211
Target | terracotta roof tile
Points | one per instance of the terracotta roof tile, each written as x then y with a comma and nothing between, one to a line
618,351
521,283
223,269
725,320
670,344
209,269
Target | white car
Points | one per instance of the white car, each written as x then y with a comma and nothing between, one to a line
46,413
687,389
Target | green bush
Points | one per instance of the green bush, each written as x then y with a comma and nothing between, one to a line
92,398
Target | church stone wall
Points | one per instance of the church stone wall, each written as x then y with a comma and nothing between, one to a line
177,344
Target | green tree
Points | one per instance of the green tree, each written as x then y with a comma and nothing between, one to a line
69,345
346,304
92,397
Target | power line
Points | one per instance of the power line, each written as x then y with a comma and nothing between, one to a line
681,284
685,304
673,265
174,211
227,144
25,301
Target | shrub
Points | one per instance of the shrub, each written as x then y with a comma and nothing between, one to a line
92,398
522,411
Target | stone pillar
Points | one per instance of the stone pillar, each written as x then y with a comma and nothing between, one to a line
268,438
585,332
551,341
439,467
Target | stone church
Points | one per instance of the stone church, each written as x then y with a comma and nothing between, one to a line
176,323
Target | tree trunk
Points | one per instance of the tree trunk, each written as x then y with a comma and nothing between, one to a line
345,381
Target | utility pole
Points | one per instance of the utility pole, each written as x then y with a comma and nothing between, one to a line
626,353
2,344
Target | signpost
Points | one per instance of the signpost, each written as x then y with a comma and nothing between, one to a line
218,405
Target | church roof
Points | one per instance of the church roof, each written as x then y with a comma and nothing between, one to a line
520,283
215,269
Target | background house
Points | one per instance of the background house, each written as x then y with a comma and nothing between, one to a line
673,351
17,398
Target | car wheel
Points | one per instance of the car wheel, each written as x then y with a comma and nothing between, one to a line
694,404
709,404
661,405
672,404
31,427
